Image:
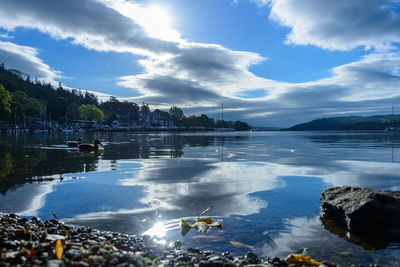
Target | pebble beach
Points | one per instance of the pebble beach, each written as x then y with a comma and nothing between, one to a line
33,242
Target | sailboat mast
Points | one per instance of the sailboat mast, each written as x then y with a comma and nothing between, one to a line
392,116
222,106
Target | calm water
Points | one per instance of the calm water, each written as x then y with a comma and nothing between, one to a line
264,186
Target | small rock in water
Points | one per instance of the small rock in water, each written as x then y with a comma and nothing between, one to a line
252,258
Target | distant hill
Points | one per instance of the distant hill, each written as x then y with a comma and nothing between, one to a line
377,122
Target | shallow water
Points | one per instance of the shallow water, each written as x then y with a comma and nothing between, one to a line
264,186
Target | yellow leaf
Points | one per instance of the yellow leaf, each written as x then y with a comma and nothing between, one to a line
201,227
210,222
59,249
301,259
185,227
207,220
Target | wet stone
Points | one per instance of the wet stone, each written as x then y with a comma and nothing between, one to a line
8,244
194,250
213,264
96,259
55,263
74,254
177,244
215,259
252,258
208,253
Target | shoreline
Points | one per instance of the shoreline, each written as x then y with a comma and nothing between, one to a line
32,242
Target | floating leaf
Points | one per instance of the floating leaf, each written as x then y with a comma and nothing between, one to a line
210,222
207,220
185,227
59,249
201,224
301,259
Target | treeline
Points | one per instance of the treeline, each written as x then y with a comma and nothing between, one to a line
350,123
23,97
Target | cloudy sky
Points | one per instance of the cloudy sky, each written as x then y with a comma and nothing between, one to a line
270,62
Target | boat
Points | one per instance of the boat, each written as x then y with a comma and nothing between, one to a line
392,128
67,129
223,129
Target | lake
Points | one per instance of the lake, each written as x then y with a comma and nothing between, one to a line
264,186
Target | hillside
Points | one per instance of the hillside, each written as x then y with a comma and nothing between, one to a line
377,122
29,102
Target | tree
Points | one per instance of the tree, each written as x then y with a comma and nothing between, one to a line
90,99
20,102
176,114
241,126
90,112
33,107
144,108
5,103
206,121
223,124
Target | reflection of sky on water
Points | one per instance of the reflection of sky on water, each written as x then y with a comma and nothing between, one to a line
265,187
13,202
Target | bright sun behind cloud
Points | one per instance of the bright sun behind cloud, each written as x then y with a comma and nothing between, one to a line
158,23
156,20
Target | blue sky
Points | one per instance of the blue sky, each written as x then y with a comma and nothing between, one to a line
271,62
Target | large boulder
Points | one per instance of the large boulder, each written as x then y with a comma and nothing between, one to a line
373,214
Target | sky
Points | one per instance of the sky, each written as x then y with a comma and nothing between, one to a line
269,62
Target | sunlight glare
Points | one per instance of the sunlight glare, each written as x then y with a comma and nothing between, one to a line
157,21
158,230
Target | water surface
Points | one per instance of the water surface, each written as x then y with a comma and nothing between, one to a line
264,186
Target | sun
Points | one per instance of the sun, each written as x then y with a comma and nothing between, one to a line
157,22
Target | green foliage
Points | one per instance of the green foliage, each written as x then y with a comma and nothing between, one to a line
90,99
24,105
90,112
177,115
241,126
5,103
223,124
113,108
144,108
201,122
33,108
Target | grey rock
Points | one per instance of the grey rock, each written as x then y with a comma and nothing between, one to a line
364,212
252,258
55,263
74,254
96,259
194,250
215,258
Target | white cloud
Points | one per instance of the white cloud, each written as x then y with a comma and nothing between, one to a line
26,59
207,70
199,73
89,23
200,76
339,24
5,36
